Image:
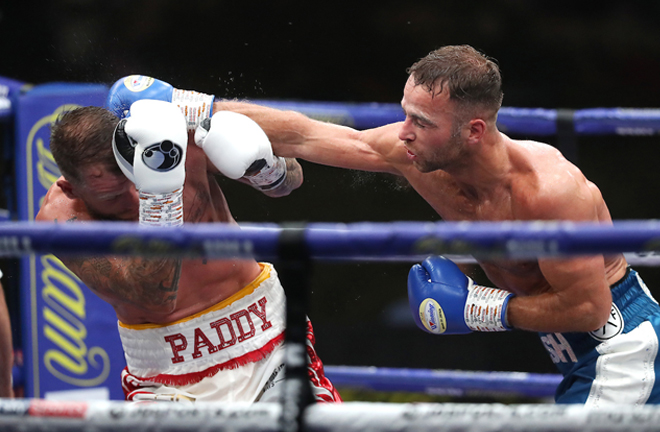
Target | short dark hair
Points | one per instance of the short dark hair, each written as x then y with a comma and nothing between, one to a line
473,79
82,137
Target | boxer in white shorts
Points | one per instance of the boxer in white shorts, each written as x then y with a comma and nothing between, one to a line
192,328
231,351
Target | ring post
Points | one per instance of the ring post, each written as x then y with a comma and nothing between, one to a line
566,135
294,268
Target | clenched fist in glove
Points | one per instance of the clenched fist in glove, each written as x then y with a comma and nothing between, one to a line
445,301
195,106
238,147
150,148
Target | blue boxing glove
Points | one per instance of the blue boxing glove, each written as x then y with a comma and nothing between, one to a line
195,106
443,300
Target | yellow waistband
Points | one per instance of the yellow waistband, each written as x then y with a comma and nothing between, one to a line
245,291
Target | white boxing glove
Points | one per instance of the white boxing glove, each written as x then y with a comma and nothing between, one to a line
157,131
238,147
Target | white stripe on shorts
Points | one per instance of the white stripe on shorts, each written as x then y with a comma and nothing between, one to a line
625,369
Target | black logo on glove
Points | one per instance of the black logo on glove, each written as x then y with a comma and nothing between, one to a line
162,156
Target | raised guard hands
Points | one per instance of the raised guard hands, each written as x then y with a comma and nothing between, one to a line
195,106
150,148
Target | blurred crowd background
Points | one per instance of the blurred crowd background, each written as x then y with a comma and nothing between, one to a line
560,54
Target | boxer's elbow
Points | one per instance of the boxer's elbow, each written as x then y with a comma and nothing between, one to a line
593,315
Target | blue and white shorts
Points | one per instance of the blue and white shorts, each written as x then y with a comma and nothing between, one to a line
618,363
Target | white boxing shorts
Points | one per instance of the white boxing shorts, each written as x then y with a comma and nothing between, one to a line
230,352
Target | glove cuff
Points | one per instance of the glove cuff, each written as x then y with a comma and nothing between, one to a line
161,209
269,177
195,106
485,309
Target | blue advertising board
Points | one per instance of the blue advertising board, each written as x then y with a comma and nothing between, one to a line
70,339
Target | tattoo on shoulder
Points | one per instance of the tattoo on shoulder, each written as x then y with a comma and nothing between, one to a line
72,219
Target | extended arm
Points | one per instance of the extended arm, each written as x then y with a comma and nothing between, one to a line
293,134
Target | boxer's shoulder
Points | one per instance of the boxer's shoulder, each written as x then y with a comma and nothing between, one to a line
58,207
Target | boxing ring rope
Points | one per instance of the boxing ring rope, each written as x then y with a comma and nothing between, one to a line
514,120
294,246
51,416
365,241
445,382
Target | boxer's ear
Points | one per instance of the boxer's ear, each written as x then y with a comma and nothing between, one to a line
67,188
477,130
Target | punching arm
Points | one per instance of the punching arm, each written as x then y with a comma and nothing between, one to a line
240,149
292,134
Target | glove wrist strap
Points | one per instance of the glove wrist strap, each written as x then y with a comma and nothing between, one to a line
268,178
195,106
485,309
161,209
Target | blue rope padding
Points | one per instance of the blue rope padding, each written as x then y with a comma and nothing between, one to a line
524,121
444,382
327,241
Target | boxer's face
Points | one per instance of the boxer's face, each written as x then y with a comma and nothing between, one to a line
108,194
430,133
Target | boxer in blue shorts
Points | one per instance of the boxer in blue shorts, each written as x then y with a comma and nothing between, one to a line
451,152
618,362
615,364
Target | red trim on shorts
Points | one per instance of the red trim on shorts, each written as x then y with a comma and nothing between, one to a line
316,373
195,377
327,393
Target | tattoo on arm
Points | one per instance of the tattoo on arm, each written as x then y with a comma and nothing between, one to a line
142,282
